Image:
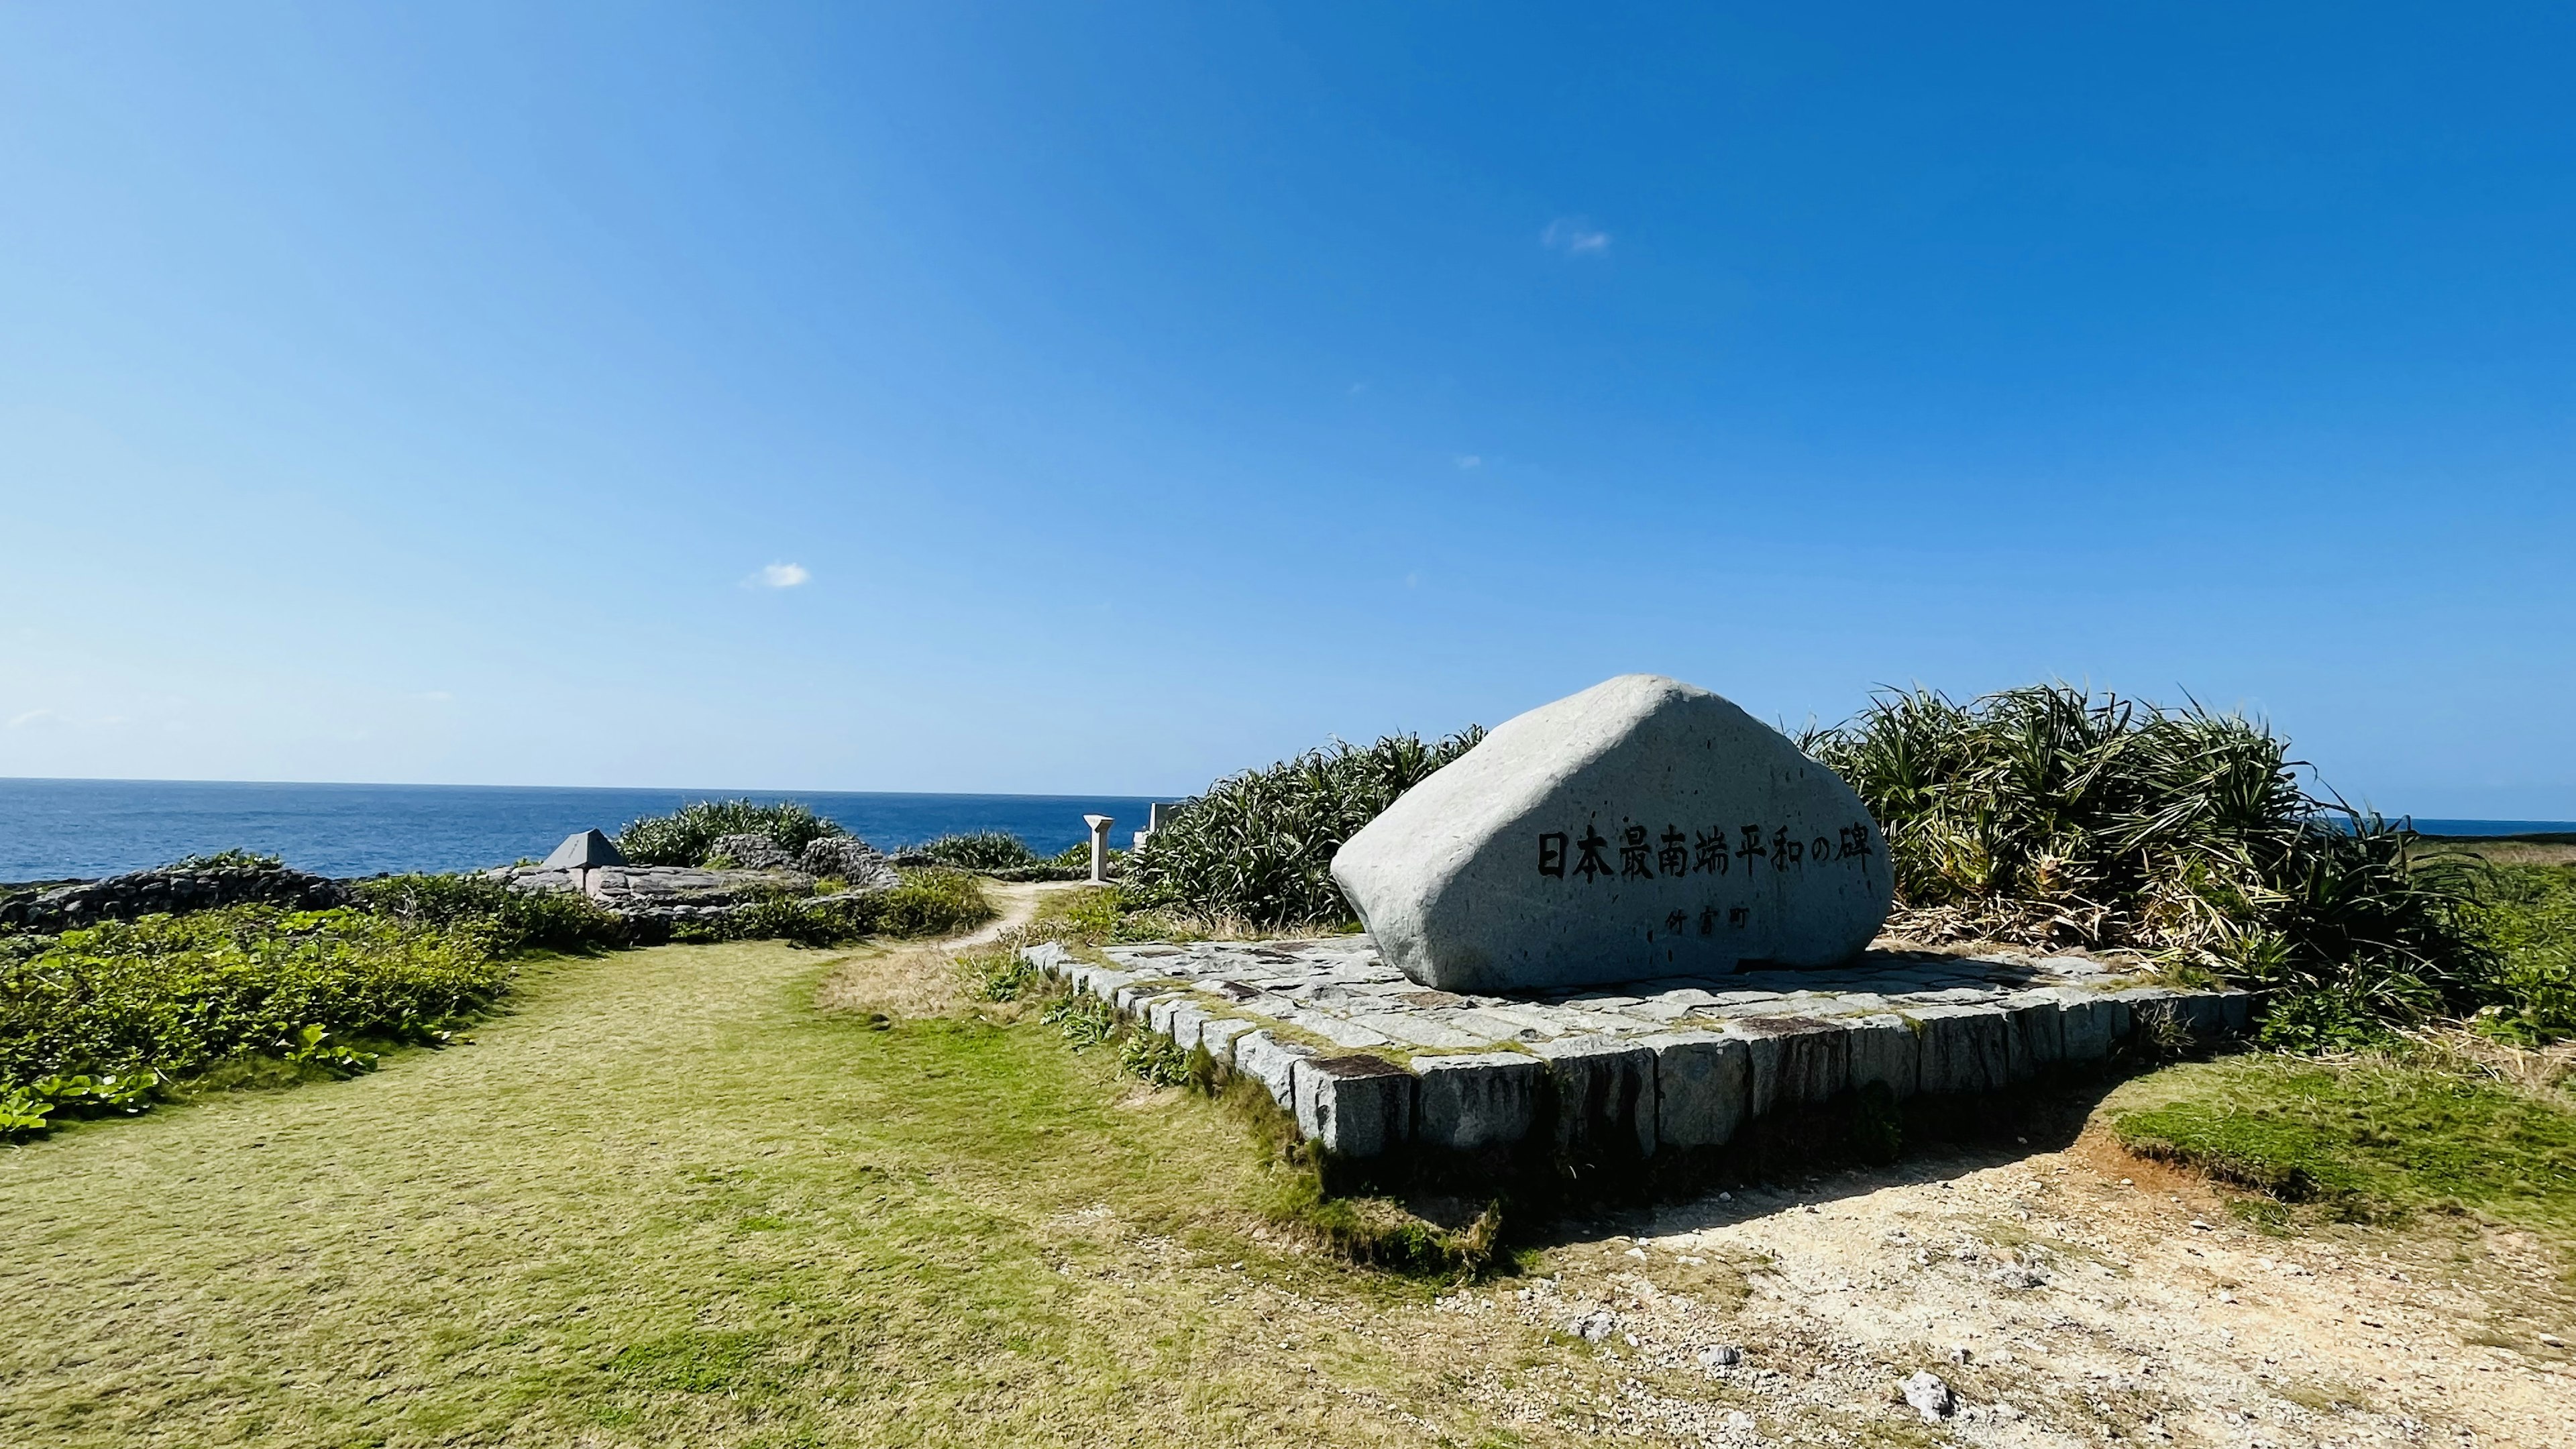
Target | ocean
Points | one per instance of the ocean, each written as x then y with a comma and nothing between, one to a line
63,829
66,829
2495,827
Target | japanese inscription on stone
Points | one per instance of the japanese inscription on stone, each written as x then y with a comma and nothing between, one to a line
1676,858
1677,854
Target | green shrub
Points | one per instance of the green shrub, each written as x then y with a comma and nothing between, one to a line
931,903
23,1115
29,1110
982,850
803,920
1101,915
1003,976
924,903
176,994
1085,1020
2351,1012
313,1047
509,919
2524,918
1002,857
2046,816
1258,847
1155,1058
2041,815
687,835
1090,916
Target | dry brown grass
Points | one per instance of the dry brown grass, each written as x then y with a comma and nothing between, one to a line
2451,1047
913,982
908,983
2505,851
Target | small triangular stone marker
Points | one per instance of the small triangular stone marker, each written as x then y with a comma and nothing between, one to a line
584,851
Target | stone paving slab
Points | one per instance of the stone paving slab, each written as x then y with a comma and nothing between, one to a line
1373,1063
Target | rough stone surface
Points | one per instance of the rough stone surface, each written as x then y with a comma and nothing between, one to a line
1467,1103
1796,1061
1218,1036
169,889
1703,1088
2038,1038
1358,1106
1929,1396
1272,1063
1622,1069
1605,1095
751,850
2089,1023
1641,828
1965,1048
851,859
1593,1327
657,897
1885,1052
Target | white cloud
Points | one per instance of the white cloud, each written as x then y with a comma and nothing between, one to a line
1469,462
778,576
32,716
1575,237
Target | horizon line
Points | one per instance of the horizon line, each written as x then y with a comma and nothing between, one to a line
670,789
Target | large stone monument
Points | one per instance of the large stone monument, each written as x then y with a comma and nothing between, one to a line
1642,828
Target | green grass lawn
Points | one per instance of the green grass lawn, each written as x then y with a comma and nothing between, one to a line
2363,1138
666,1201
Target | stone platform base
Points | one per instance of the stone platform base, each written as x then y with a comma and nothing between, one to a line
1374,1064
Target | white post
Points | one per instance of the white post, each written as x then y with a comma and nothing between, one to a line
1099,847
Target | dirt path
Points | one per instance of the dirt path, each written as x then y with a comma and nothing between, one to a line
2068,1297
1018,902
918,979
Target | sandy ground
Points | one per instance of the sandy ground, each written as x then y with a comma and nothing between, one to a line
2065,1297
2062,1297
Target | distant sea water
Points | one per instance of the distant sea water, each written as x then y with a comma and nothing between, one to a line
61,829
64,829
2494,827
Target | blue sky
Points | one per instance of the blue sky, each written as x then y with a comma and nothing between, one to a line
1128,394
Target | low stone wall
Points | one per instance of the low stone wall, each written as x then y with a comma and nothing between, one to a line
663,895
169,889
658,898
1375,1065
